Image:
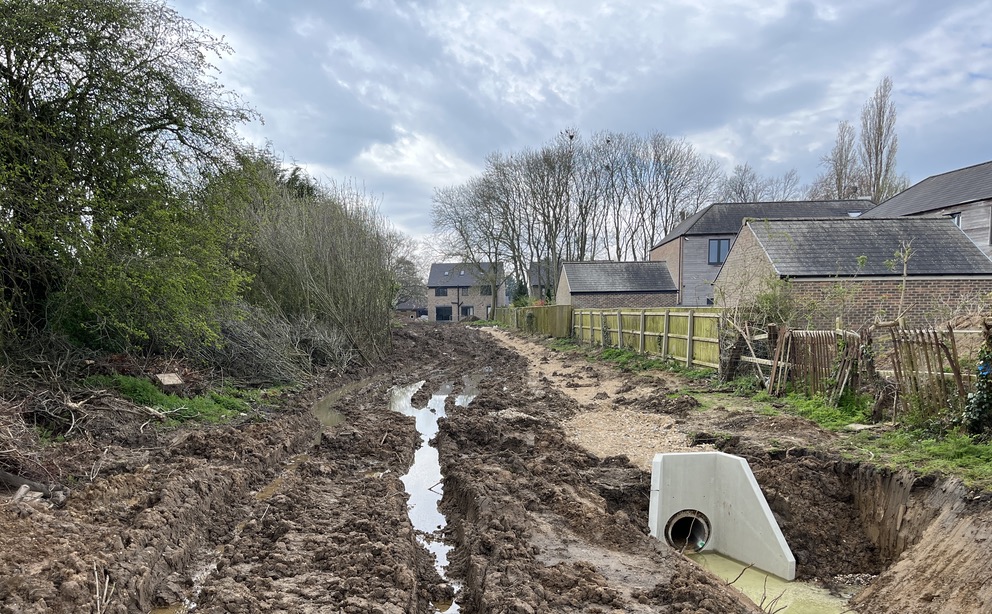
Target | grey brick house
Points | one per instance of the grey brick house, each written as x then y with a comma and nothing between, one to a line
963,195
849,267
602,285
460,290
696,249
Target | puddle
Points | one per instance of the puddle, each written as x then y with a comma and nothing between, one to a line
325,409
423,482
470,389
796,597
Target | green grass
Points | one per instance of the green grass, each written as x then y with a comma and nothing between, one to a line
213,407
849,410
484,323
564,345
952,454
630,361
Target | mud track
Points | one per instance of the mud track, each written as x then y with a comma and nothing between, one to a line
545,492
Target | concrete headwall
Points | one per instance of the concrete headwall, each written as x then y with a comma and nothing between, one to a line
733,517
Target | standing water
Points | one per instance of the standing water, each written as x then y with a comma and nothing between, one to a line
771,593
423,481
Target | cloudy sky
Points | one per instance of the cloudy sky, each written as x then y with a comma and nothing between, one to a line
405,96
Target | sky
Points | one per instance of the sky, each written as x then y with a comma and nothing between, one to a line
401,97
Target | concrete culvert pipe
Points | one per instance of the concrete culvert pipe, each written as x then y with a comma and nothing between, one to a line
688,531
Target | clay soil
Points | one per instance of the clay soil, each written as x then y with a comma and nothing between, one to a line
546,487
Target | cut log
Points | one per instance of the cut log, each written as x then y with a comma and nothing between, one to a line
16,481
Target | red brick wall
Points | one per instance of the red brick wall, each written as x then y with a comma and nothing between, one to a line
618,301
863,301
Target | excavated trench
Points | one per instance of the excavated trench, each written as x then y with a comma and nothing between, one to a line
287,521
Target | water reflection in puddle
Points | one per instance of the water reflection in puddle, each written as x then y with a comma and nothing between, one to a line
424,483
796,597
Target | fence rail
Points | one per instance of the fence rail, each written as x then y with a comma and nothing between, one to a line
688,336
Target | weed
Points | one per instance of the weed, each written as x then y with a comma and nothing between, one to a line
563,345
628,360
850,409
210,407
955,453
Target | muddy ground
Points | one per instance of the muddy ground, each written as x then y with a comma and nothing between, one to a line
546,491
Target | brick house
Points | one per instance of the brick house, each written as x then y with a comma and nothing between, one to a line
964,195
604,285
850,268
696,248
461,290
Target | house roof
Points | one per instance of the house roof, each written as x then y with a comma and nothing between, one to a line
832,247
612,277
456,274
958,187
726,218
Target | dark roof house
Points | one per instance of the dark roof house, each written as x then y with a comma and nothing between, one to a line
457,290
616,284
964,195
696,248
860,269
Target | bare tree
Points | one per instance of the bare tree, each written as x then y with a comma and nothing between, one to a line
785,187
841,177
879,143
744,185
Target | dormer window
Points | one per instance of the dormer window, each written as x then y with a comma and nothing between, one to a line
462,272
446,273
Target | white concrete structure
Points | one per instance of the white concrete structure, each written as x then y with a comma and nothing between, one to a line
710,501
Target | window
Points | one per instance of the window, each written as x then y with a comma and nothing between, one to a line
442,314
468,310
486,290
718,250
440,292
466,291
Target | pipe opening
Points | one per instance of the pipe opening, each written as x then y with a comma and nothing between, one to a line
688,531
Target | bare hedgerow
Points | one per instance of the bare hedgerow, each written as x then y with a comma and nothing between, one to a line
268,347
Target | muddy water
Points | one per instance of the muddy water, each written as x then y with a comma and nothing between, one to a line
423,482
763,589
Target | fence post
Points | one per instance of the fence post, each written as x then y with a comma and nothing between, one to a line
664,336
688,341
640,344
619,329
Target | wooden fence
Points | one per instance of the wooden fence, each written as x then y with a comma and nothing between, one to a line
691,337
688,336
930,369
550,320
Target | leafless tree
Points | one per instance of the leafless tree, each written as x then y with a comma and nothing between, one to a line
841,177
879,144
744,185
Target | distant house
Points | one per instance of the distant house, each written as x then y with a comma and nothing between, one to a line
851,268
599,285
410,310
696,249
542,281
461,290
964,195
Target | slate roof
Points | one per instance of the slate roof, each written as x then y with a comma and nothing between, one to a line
613,277
727,218
963,185
831,247
455,274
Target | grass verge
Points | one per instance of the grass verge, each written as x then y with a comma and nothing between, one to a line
213,407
